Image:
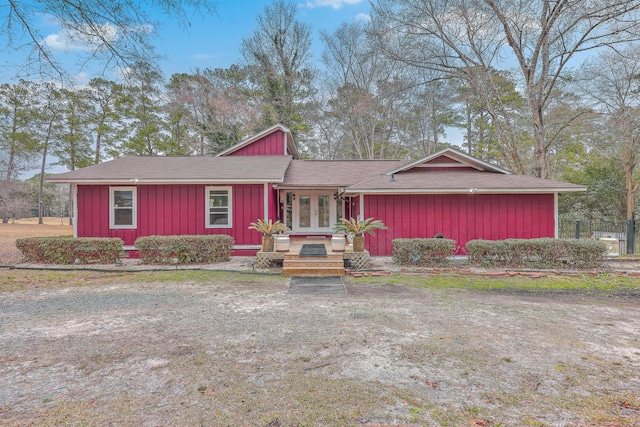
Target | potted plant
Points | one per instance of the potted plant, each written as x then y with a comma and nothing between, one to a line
268,228
357,228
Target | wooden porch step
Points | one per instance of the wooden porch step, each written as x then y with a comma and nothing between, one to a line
330,265
313,271
328,256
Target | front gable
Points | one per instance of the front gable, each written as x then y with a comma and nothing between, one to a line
275,141
449,159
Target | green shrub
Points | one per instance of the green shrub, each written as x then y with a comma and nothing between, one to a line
69,250
539,253
423,252
184,249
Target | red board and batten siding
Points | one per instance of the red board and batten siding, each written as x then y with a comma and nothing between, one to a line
171,210
461,217
270,145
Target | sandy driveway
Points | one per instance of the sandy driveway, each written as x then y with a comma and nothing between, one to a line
160,354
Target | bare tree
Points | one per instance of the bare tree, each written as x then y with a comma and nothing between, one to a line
112,32
612,82
279,53
14,200
467,38
368,95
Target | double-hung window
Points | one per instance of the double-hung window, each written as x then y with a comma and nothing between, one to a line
218,205
123,207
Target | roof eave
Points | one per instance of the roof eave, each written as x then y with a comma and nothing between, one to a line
130,181
466,190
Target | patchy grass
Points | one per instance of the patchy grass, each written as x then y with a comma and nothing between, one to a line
213,348
602,283
17,279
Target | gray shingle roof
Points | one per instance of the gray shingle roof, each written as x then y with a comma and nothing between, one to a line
181,169
461,181
357,176
336,173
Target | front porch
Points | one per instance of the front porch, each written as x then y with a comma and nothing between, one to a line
331,264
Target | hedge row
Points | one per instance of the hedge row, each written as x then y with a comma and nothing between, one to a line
67,250
423,252
540,253
184,249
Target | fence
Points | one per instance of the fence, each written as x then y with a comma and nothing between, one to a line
590,229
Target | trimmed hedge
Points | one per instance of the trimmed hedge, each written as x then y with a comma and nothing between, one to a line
423,252
540,253
69,250
184,249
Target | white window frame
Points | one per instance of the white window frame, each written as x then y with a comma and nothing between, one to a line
207,215
134,207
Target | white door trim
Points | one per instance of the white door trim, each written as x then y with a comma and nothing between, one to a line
314,215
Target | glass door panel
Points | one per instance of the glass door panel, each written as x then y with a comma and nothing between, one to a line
305,212
324,215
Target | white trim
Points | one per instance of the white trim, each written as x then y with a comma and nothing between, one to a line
556,232
361,206
468,191
314,200
75,210
133,247
245,247
134,208
448,166
265,202
207,212
165,181
285,144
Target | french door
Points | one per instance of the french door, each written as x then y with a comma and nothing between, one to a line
314,212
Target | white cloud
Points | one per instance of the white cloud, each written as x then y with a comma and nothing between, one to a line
60,42
362,17
88,39
334,4
82,78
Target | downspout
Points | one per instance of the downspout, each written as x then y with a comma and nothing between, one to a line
75,209
555,215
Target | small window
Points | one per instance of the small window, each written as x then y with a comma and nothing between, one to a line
123,205
218,205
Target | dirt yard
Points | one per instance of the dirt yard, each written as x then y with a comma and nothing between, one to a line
9,255
205,348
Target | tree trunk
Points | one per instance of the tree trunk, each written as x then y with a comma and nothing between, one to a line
70,204
469,128
98,141
42,166
631,194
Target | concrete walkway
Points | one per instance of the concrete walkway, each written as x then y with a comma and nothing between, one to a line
330,285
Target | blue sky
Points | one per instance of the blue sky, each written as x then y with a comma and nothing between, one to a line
210,41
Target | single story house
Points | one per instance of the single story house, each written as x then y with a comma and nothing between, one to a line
447,193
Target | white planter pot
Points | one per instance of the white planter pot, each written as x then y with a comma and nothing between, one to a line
282,243
338,242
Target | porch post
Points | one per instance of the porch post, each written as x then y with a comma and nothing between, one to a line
74,212
361,206
555,215
265,192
